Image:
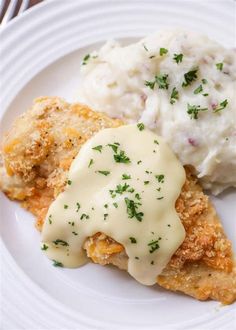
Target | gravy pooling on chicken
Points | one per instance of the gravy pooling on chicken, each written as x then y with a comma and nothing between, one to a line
124,182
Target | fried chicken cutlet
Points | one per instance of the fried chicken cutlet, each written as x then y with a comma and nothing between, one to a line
35,160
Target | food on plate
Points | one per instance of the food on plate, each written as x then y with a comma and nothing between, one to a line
36,161
38,156
179,84
124,182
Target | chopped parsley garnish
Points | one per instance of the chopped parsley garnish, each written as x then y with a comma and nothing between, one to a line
60,242
50,219
113,195
150,84
219,66
137,258
162,82
90,162
44,247
189,77
66,206
57,264
120,189
205,94
106,206
163,51
222,106
78,207
115,205
98,148
144,46
160,178
153,245
178,58
137,196
84,215
69,182
198,90
71,223
126,176
121,157
159,198
139,162
132,209
152,262
133,240
74,233
156,142
104,172
85,59
140,126
105,216
204,81
131,190
169,225
114,147
193,110
174,95
159,189
146,182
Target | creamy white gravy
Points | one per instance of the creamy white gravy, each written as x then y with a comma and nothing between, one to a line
124,183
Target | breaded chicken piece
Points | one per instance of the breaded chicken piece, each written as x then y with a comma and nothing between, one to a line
203,265
38,150
36,155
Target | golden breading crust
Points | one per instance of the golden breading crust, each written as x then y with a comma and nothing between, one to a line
203,265
39,148
37,153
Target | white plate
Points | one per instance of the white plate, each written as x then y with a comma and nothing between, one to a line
40,55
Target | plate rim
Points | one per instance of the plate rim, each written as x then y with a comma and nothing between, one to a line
13,25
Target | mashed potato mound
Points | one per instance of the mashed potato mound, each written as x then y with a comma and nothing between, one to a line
182,86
